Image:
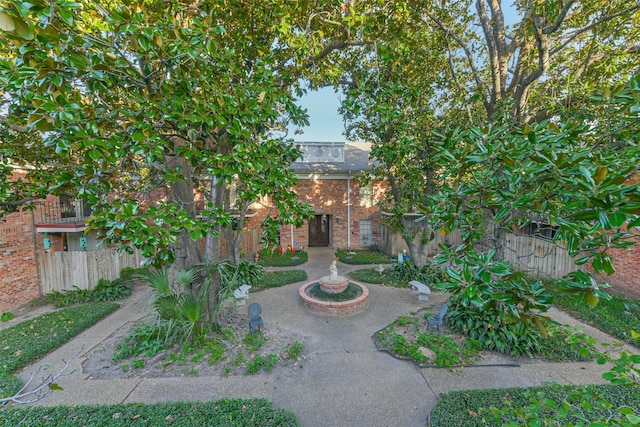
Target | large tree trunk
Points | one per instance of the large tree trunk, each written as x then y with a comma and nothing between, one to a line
188,252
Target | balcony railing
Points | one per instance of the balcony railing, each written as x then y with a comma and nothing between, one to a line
63,211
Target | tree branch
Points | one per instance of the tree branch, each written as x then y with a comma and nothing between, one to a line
42,390
18,128
582,30
481,85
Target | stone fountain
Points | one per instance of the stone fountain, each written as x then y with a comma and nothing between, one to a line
333,284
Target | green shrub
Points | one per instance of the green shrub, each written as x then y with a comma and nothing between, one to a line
224,412
105,290
428,274
146,339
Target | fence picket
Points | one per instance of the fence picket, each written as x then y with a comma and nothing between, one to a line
64,270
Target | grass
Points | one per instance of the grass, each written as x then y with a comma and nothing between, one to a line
224,412
370,275
363,257
617,317
28,341
275,279
286,259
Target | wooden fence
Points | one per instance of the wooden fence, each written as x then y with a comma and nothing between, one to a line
64,270
538,257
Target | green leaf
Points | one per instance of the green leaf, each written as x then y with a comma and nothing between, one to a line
600,175
604,219
23,29
591,299
55,386
617,219
6,22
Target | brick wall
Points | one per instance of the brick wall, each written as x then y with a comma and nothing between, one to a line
18,274
625,281
330,197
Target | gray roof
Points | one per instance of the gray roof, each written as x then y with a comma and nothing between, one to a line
333,157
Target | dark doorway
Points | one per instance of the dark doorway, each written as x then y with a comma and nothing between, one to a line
319,230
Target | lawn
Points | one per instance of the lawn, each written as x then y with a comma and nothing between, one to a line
361,257
286,259
28,341
224,412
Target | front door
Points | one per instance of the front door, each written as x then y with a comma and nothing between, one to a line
319,230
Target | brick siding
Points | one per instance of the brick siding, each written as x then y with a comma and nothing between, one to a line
18,274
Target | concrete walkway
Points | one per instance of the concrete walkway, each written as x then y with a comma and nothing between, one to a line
343,381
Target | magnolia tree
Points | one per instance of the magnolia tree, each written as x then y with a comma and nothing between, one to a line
486,125
112,101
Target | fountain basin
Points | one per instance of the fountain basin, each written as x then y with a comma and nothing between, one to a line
334,308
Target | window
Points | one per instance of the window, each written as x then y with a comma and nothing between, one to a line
366,232
540,229
366,195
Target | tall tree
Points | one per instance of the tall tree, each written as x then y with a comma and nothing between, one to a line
112,100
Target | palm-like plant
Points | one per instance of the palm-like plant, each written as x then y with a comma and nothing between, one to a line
182,302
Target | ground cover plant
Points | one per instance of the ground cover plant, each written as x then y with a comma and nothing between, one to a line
105,290
409,335
275,279
219,413
371,275
362,257
28,341
281,259
566,405
617,316
399,275
227,348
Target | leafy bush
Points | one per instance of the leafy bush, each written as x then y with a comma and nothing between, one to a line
246,273
403,273
363,257
146,339
224,412
494,304
105,290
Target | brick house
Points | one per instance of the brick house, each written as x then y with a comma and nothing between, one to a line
56,224
345,212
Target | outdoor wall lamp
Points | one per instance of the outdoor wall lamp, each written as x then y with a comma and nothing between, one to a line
337,220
